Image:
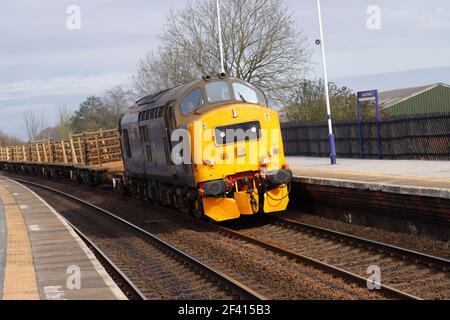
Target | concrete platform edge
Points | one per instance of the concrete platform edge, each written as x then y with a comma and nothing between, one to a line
389,188
98,267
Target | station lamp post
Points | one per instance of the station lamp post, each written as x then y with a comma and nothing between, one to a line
327,94
219,27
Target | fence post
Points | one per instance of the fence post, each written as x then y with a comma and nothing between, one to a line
349,139
82,152
45,153
309,141
38,153
361,133
72,147
50,151
98,151
63,148
380,151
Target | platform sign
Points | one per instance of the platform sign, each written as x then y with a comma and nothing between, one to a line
371,95
367,95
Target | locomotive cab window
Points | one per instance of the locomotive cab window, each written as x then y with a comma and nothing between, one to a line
193,101
245,93
218,91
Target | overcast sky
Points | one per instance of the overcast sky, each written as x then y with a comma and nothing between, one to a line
43,65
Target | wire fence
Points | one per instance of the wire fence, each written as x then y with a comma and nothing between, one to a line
424,137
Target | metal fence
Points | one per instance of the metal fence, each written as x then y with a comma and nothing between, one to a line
413,137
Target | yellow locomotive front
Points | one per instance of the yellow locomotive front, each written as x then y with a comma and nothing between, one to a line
237,153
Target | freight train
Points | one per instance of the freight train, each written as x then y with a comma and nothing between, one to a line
211,148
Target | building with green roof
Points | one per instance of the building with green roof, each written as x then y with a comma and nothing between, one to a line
429,99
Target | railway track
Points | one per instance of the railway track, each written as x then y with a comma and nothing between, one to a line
128,287
179,275
427,260
360,280
289,249
405,273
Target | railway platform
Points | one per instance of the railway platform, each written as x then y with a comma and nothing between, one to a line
41,256
415,177
399,195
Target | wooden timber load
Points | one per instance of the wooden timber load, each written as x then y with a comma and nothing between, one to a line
98,148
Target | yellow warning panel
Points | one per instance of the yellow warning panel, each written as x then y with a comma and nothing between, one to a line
276,200
243,201
19,281
221,209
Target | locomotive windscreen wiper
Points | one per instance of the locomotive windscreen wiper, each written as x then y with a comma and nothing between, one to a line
196,108
242,98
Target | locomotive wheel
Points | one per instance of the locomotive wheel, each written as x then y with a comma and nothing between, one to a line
145,195
133,189
152,194
197,210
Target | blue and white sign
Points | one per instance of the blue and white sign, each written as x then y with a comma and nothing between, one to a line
370,95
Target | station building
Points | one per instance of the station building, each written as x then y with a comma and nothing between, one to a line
434,98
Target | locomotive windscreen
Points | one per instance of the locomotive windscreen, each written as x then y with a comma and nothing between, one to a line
247,131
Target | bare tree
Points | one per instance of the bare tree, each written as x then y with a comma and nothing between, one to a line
63,126
162,69
261,45
8,140
117,100
34,124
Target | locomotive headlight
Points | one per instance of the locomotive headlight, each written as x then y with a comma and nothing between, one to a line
265,161
274,152
254,130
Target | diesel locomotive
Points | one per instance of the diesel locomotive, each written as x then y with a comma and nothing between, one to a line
210,148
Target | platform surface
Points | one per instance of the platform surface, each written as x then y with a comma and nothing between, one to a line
41,257
416,177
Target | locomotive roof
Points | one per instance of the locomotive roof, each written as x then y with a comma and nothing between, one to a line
166,97
162,98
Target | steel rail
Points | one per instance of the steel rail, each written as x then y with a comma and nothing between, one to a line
244,291
137,292
315,263
403,253
268,246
